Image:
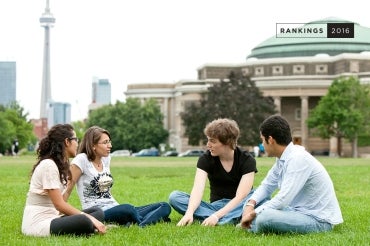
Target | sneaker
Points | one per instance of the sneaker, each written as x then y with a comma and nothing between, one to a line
167,220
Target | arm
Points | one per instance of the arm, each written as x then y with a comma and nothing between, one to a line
268,185
244,187
59,203
67,209
248,214
195,197
294,177
76,174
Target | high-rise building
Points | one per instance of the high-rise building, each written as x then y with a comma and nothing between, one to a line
101,93
7,82
47,21
59,113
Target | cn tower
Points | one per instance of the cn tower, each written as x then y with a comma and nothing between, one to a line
47,21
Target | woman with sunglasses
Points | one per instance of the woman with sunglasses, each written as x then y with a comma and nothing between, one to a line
47,211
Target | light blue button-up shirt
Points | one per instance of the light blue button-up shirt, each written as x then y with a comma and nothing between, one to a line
304,186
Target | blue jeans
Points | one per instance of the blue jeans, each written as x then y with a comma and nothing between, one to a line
125,214
287,220
179,201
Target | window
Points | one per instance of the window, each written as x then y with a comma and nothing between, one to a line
245,71
259,71
277,70
297,114
321,69
354,67
298,69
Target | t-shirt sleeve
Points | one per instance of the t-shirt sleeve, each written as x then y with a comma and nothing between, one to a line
205,162
249,164
80,161
50,178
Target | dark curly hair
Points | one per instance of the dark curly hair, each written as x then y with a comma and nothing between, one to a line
277,127
53,147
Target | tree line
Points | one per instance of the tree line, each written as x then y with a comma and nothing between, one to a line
14,126
342,113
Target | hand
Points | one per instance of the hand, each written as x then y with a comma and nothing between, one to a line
185,220
102,229
210,221
99,226
248,216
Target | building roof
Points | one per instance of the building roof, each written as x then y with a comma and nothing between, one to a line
275,47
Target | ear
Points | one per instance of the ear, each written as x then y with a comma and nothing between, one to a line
271,140
67,142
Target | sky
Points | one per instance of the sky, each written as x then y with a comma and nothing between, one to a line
141,41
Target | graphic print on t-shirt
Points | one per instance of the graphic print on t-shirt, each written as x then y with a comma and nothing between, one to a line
101,184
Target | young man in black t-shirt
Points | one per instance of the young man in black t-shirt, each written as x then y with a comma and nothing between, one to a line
230,171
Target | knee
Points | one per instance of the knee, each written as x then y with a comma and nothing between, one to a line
128,208
266,217
96,212
87,223
166,207
173,197
99,214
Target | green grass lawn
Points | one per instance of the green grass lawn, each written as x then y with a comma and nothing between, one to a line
142,180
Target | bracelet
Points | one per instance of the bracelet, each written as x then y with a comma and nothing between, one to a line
250,204
214,215
82,213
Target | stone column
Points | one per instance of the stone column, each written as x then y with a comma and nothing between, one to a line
304,116
277,102
333,151
165,113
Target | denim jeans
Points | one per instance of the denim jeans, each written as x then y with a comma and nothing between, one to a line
179,201
126,214
153,213
287,220
123,214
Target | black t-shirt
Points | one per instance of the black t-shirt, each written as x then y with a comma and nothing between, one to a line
224,184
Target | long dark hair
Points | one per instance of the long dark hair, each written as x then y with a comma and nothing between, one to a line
53,147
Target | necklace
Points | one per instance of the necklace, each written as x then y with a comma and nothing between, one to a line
98,164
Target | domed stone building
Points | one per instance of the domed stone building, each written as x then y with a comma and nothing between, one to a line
295,72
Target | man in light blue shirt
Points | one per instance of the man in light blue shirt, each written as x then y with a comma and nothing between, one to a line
305,201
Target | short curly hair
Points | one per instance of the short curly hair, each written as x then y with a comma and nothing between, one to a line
225,130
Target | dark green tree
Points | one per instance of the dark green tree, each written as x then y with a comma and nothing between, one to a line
14,125
80,128
7,133
237,98
342,113
132,125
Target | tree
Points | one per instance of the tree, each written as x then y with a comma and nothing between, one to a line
14,125
132,125
80,128
7,133
237,98
343,112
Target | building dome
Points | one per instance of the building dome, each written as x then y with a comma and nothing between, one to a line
297,47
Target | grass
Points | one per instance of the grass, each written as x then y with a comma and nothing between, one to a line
141,180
